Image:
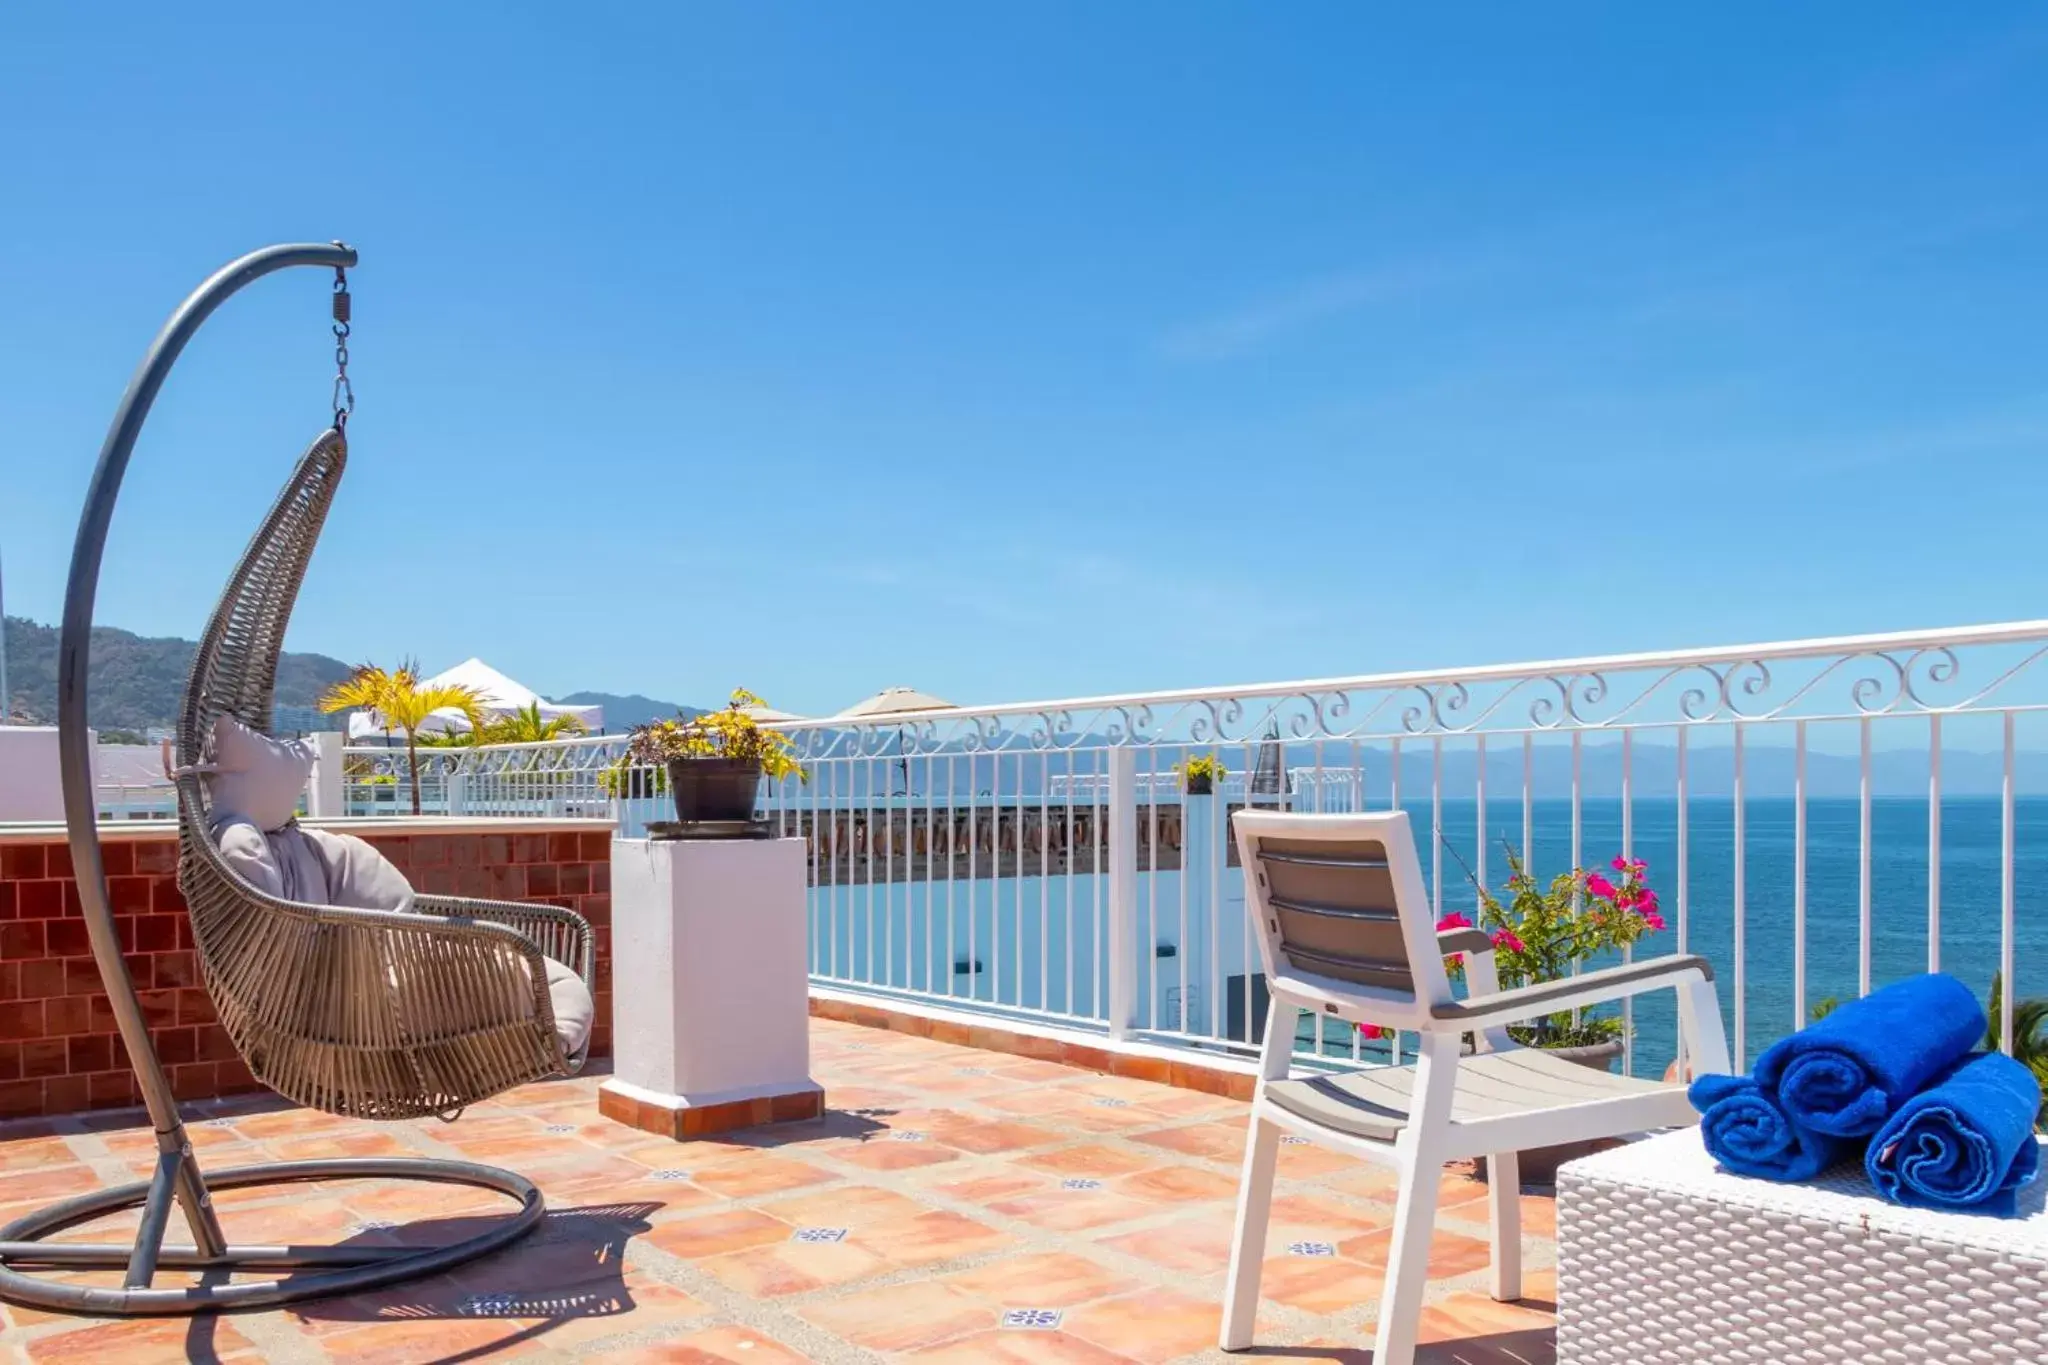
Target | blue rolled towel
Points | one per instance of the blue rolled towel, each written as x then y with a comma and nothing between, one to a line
1748,1133
1966,1142
1849,1072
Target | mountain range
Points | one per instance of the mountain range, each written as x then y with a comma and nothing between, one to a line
624,711
138,680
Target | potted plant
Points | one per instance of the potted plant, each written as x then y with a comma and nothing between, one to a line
1540,934
716,761
1199,775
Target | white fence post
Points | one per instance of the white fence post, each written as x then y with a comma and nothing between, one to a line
1123,891
326,795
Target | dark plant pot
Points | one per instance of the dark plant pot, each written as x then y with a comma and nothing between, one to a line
714,788
1201,786
1538,1165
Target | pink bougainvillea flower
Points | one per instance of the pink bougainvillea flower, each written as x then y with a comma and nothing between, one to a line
1371,1031
1653,919
1600,886
1457,919
1638,866
1505,938
1620,864
1627,896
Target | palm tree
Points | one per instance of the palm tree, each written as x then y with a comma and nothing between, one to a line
2029,1032
400,700
527,726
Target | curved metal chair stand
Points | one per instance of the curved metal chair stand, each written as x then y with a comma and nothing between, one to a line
368,1014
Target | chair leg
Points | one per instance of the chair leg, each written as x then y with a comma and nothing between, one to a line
1248,1241
1504,1205
1415,1213
1255,1190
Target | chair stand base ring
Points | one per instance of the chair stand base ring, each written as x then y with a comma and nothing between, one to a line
329,1270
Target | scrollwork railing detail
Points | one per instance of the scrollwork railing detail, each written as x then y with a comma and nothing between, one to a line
1853,679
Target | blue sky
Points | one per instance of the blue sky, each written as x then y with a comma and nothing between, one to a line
1061,350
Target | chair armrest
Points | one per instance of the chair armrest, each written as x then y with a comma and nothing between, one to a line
1481,976
1588,988
1464,939
400,935
560,934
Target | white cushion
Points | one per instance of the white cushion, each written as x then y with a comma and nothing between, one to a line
256,776
574,1009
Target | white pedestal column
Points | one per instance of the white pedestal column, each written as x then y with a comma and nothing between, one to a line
710,986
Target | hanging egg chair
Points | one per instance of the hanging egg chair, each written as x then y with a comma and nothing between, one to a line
371,1014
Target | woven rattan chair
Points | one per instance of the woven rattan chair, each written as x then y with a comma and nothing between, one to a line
369,1014
364,1013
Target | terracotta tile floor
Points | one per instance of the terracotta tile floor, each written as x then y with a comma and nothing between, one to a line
946,1194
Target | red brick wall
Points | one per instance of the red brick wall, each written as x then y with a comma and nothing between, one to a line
58,1049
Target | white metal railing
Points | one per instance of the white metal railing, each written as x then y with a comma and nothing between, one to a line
136,800
1820,816
559,778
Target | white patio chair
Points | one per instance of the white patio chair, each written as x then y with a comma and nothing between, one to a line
1345,931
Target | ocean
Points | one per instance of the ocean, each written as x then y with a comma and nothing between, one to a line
990,940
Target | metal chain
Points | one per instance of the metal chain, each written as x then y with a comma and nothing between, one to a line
344,392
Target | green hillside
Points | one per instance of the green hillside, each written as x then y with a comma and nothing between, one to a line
136,680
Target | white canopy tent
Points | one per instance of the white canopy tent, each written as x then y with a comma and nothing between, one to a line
502,696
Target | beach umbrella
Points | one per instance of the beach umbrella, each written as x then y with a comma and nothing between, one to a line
892,700
895,701
763,714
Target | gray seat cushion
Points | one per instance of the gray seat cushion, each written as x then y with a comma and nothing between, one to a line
1374,1103
574,1009
310,866
320,867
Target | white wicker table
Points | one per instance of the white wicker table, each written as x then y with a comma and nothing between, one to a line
1662,1257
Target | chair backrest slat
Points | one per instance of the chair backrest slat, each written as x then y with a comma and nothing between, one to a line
1340,898
1270,854
1334,911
